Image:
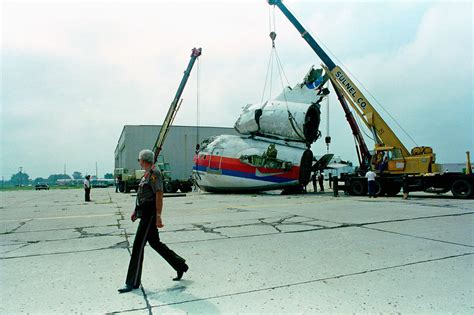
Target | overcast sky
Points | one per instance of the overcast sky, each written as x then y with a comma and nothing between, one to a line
75,72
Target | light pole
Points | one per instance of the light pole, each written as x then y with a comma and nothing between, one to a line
20,171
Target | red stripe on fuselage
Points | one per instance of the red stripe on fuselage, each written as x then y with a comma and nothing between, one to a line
234,164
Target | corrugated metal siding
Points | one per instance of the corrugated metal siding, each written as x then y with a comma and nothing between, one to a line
178,149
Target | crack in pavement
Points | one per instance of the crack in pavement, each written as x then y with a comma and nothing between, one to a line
237,209
85,234
62,229
18,242
65,252
209,230
420,203
279,232
420,237
9,251
19,226
345,225
63,217
272,224
321,228
260,222
278,225
126,244
347,275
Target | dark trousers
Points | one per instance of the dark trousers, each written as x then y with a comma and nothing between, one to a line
88,194
147,232
321,185
371,188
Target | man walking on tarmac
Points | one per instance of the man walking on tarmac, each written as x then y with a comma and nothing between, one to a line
148,208
371,183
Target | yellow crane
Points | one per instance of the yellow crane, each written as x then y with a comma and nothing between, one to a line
394,162
419,160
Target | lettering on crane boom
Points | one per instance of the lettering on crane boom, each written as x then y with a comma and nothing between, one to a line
350,88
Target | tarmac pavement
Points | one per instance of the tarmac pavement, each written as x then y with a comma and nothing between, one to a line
259,253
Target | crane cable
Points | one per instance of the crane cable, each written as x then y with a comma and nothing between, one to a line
362,85
328,137
198,100
198,96
363,127
274,58
270,61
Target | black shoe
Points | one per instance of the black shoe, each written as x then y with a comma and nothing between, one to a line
128,288
181,272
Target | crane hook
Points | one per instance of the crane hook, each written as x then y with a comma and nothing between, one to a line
273,35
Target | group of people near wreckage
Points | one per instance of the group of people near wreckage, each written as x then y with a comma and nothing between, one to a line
318,178
379,166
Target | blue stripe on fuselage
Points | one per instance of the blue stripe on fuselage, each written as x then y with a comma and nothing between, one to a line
274,179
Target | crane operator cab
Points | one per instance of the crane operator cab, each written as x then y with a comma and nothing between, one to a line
388,159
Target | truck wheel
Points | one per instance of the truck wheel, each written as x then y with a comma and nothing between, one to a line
379,189
174,187
185,188
167,187
126,188
358,187
392,190
461,188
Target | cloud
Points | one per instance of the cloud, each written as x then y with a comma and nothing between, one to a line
427,83
74,73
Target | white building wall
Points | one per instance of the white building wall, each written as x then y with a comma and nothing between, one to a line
178,149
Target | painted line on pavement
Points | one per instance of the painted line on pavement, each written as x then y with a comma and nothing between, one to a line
64,217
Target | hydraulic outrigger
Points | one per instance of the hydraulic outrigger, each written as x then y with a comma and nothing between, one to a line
417,167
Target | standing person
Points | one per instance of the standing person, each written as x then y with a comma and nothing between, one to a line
371,182
148,208
313,179
116,184
87,188
321,181
383,165
405,186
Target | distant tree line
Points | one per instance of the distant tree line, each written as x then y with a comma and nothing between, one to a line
23,179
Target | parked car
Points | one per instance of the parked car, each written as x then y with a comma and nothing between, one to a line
40,186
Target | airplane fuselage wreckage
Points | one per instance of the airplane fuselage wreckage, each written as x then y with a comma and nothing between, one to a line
273,150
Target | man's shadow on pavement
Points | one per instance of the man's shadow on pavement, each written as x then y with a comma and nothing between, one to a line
177,297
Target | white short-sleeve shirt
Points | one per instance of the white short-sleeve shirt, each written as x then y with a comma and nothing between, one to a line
370,176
